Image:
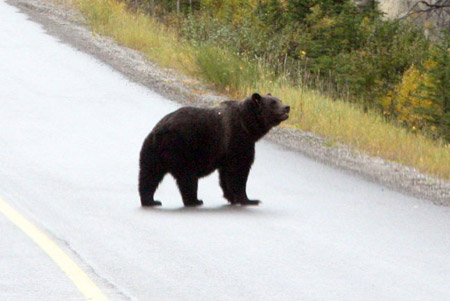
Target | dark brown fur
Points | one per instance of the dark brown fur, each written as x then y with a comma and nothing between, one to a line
191,143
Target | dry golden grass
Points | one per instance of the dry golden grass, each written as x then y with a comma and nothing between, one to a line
136,31
337,121
349,124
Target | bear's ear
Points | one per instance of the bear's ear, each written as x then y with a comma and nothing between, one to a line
256,98
269,94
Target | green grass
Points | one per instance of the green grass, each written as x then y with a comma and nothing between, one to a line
335,120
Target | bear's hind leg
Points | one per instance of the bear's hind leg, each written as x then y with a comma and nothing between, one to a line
188,186
149,179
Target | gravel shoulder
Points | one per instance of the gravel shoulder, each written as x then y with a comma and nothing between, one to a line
66,25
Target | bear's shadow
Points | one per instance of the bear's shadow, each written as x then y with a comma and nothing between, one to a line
224,209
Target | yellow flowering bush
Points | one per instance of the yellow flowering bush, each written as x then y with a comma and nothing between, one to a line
408,102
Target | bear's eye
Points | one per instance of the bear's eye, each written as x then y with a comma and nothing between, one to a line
273,103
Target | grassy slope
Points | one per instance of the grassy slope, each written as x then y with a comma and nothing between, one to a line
337,121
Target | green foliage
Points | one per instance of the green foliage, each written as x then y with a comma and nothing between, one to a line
421,101
438,88
225,69
386,50
335,46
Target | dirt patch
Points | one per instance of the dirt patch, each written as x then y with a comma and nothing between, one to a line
65,24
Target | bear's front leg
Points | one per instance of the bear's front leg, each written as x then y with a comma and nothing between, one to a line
236,183
150,203
224,184
248,202
188,186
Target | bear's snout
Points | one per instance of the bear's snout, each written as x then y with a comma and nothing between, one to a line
283,113
287,109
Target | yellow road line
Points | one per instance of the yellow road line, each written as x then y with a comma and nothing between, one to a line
86,286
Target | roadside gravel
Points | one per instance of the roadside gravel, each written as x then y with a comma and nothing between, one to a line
68,26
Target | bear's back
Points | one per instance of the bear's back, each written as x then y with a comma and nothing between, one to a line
190,138
190,121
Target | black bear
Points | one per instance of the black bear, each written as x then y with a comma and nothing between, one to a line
191,143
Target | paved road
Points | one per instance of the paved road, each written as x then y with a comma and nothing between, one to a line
70,133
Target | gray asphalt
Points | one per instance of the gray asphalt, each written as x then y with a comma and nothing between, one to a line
71,131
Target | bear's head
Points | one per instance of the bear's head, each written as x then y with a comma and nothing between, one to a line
261,113
271,111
